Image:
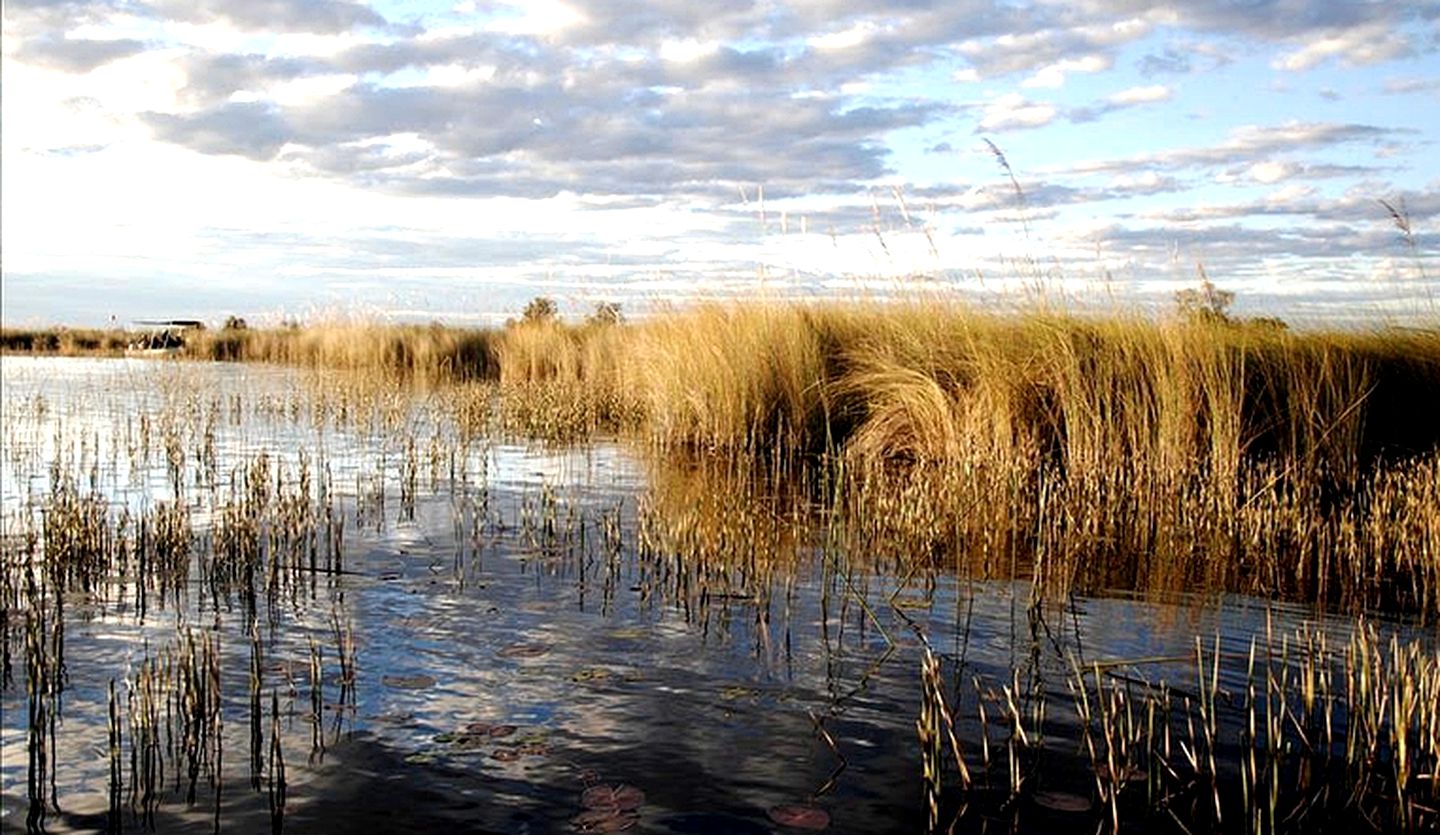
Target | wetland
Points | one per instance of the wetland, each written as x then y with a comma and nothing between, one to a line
736,570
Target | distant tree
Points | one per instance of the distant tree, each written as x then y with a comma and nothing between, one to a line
235,323
540,309
1206,303
606,313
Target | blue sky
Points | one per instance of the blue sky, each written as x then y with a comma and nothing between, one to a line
448,161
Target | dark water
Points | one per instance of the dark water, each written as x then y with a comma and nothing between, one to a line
514,641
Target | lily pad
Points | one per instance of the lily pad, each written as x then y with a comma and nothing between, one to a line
1062,802
588,776
605,820
532,650
736,692
489,729
469,743
800,816
532,736
415,682
618,796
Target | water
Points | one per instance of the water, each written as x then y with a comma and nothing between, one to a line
519,638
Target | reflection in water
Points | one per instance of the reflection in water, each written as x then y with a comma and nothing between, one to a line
249,599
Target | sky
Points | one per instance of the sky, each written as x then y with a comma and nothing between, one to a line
440,161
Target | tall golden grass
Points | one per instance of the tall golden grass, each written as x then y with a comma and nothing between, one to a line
65,341
1085,452
1105,450
422,350
920,381
932,381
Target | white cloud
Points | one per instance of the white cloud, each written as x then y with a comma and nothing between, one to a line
845,38
1053,76
313,89
1148,182
536,17
315,45
1403,86
1291,194
1013,111
1269,172
683,51
1360,45
1141,95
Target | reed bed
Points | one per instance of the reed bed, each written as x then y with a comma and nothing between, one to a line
66,341
428,351
1302,733
1087,452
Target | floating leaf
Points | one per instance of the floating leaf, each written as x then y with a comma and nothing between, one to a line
736,692
619,796
800,816
415,682
534,650
470,742
490,729
532,736
588,776
1062,802
591,674
605,820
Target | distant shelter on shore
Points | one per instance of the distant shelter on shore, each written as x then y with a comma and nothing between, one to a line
163,335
